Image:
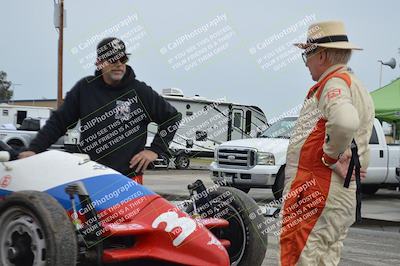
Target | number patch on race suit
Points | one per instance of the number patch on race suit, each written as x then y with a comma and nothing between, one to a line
333,93
173,221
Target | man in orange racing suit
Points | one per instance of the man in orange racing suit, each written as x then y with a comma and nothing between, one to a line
318,210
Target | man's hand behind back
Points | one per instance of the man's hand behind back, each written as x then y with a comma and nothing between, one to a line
341,167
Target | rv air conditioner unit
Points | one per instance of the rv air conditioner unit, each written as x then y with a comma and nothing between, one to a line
173,92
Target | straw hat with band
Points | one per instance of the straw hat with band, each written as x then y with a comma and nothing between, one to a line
328,34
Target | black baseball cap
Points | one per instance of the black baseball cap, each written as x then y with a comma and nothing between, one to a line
112,49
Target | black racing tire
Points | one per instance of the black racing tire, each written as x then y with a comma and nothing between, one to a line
369,189
279,184
248,243
36,230
182,161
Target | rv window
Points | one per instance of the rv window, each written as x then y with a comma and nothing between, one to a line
248,122
201,135
21,115
237,120
5,112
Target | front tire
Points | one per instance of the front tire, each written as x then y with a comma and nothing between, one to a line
35,231
248,243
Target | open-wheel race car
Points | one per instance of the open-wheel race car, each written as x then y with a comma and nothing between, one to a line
61,209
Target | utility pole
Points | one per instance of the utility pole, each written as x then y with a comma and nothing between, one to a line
60,26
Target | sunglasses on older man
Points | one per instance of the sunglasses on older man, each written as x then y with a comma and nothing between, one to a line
309,51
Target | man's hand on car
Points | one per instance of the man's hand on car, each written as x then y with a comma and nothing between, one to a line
142,160
26,154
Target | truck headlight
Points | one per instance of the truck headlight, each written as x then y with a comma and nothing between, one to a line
265,158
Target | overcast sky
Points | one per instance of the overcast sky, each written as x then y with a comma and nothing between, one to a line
238,50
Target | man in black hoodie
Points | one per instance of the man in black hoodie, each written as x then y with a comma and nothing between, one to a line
114,110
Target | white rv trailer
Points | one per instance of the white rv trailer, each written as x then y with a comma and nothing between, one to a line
208,123
15,114
205,124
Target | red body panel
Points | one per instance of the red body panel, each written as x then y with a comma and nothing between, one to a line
162,232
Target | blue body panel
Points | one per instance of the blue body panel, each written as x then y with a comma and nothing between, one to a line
105,191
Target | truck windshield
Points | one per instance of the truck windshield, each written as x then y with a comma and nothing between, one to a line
280,129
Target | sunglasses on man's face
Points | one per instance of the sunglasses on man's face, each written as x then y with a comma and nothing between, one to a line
124,59
310,52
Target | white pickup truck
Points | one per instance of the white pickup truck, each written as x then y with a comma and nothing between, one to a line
260,162
21,138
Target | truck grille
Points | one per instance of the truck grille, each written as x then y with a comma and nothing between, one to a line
236,157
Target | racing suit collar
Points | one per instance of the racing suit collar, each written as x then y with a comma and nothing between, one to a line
331,69
326,75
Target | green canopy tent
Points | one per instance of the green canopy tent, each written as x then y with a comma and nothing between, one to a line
387,103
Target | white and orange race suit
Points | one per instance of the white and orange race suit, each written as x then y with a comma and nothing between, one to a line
317,209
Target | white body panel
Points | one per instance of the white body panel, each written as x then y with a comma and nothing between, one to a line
37,173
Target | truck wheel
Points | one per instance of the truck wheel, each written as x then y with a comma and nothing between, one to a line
369,189
16,144
248,244
35,230
182,161
278,186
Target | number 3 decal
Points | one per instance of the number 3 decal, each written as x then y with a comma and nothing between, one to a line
187,225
